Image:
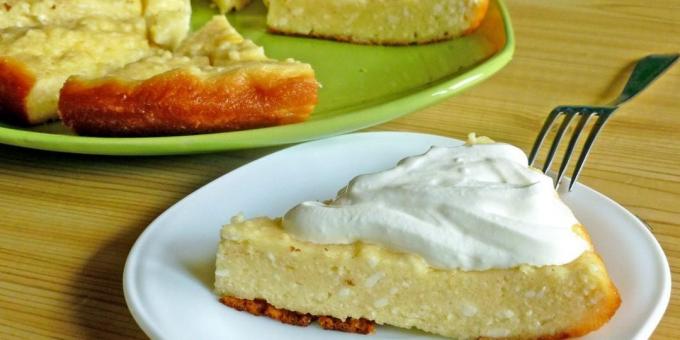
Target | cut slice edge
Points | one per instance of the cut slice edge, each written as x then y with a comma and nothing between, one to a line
398,22
260,307
258,260
215,81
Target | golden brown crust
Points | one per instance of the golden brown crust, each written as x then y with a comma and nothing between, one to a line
261,307
349,325
478,17
598,316
16,83
604,311
178,102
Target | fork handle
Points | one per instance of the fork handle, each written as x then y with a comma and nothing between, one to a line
644,73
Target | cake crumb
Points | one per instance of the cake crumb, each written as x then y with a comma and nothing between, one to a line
271,258
373,279
349,325
380,303
497,333
260,307
344,292
238,218
373,261
506,313
473,139
468,310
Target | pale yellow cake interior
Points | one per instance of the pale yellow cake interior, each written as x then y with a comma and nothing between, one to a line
53,40
376,21
167,21
371,22
215,49
221,43
257,259
90,46
36,13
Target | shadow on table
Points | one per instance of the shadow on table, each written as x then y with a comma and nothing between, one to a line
95,291
99,304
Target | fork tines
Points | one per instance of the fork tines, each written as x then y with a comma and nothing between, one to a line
570,112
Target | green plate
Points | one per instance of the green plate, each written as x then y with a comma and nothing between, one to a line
361,86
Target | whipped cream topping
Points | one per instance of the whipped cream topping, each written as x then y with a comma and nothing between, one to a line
471,207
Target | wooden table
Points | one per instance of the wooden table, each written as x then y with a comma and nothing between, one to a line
67,222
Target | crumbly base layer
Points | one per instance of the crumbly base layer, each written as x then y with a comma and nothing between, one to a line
262,307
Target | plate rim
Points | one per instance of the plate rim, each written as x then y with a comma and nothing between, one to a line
292,133
651,321
663,295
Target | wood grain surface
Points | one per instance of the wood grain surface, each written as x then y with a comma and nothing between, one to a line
67,222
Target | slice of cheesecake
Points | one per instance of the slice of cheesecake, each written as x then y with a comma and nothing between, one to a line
35,61
215,81
42,43
447,249
392,22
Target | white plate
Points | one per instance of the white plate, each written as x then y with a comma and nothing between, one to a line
168,276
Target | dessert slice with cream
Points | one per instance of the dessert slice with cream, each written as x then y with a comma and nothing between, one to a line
214,81
465,242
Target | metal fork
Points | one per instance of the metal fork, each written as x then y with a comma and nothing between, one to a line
645,71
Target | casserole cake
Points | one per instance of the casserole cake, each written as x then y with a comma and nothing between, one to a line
215,81
385,22
43,42
441,243
390,22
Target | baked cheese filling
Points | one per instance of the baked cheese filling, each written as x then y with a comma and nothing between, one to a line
396,22
215,80
43,42
466,242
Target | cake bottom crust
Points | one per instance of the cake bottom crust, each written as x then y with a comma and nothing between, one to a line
262,307
15,85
